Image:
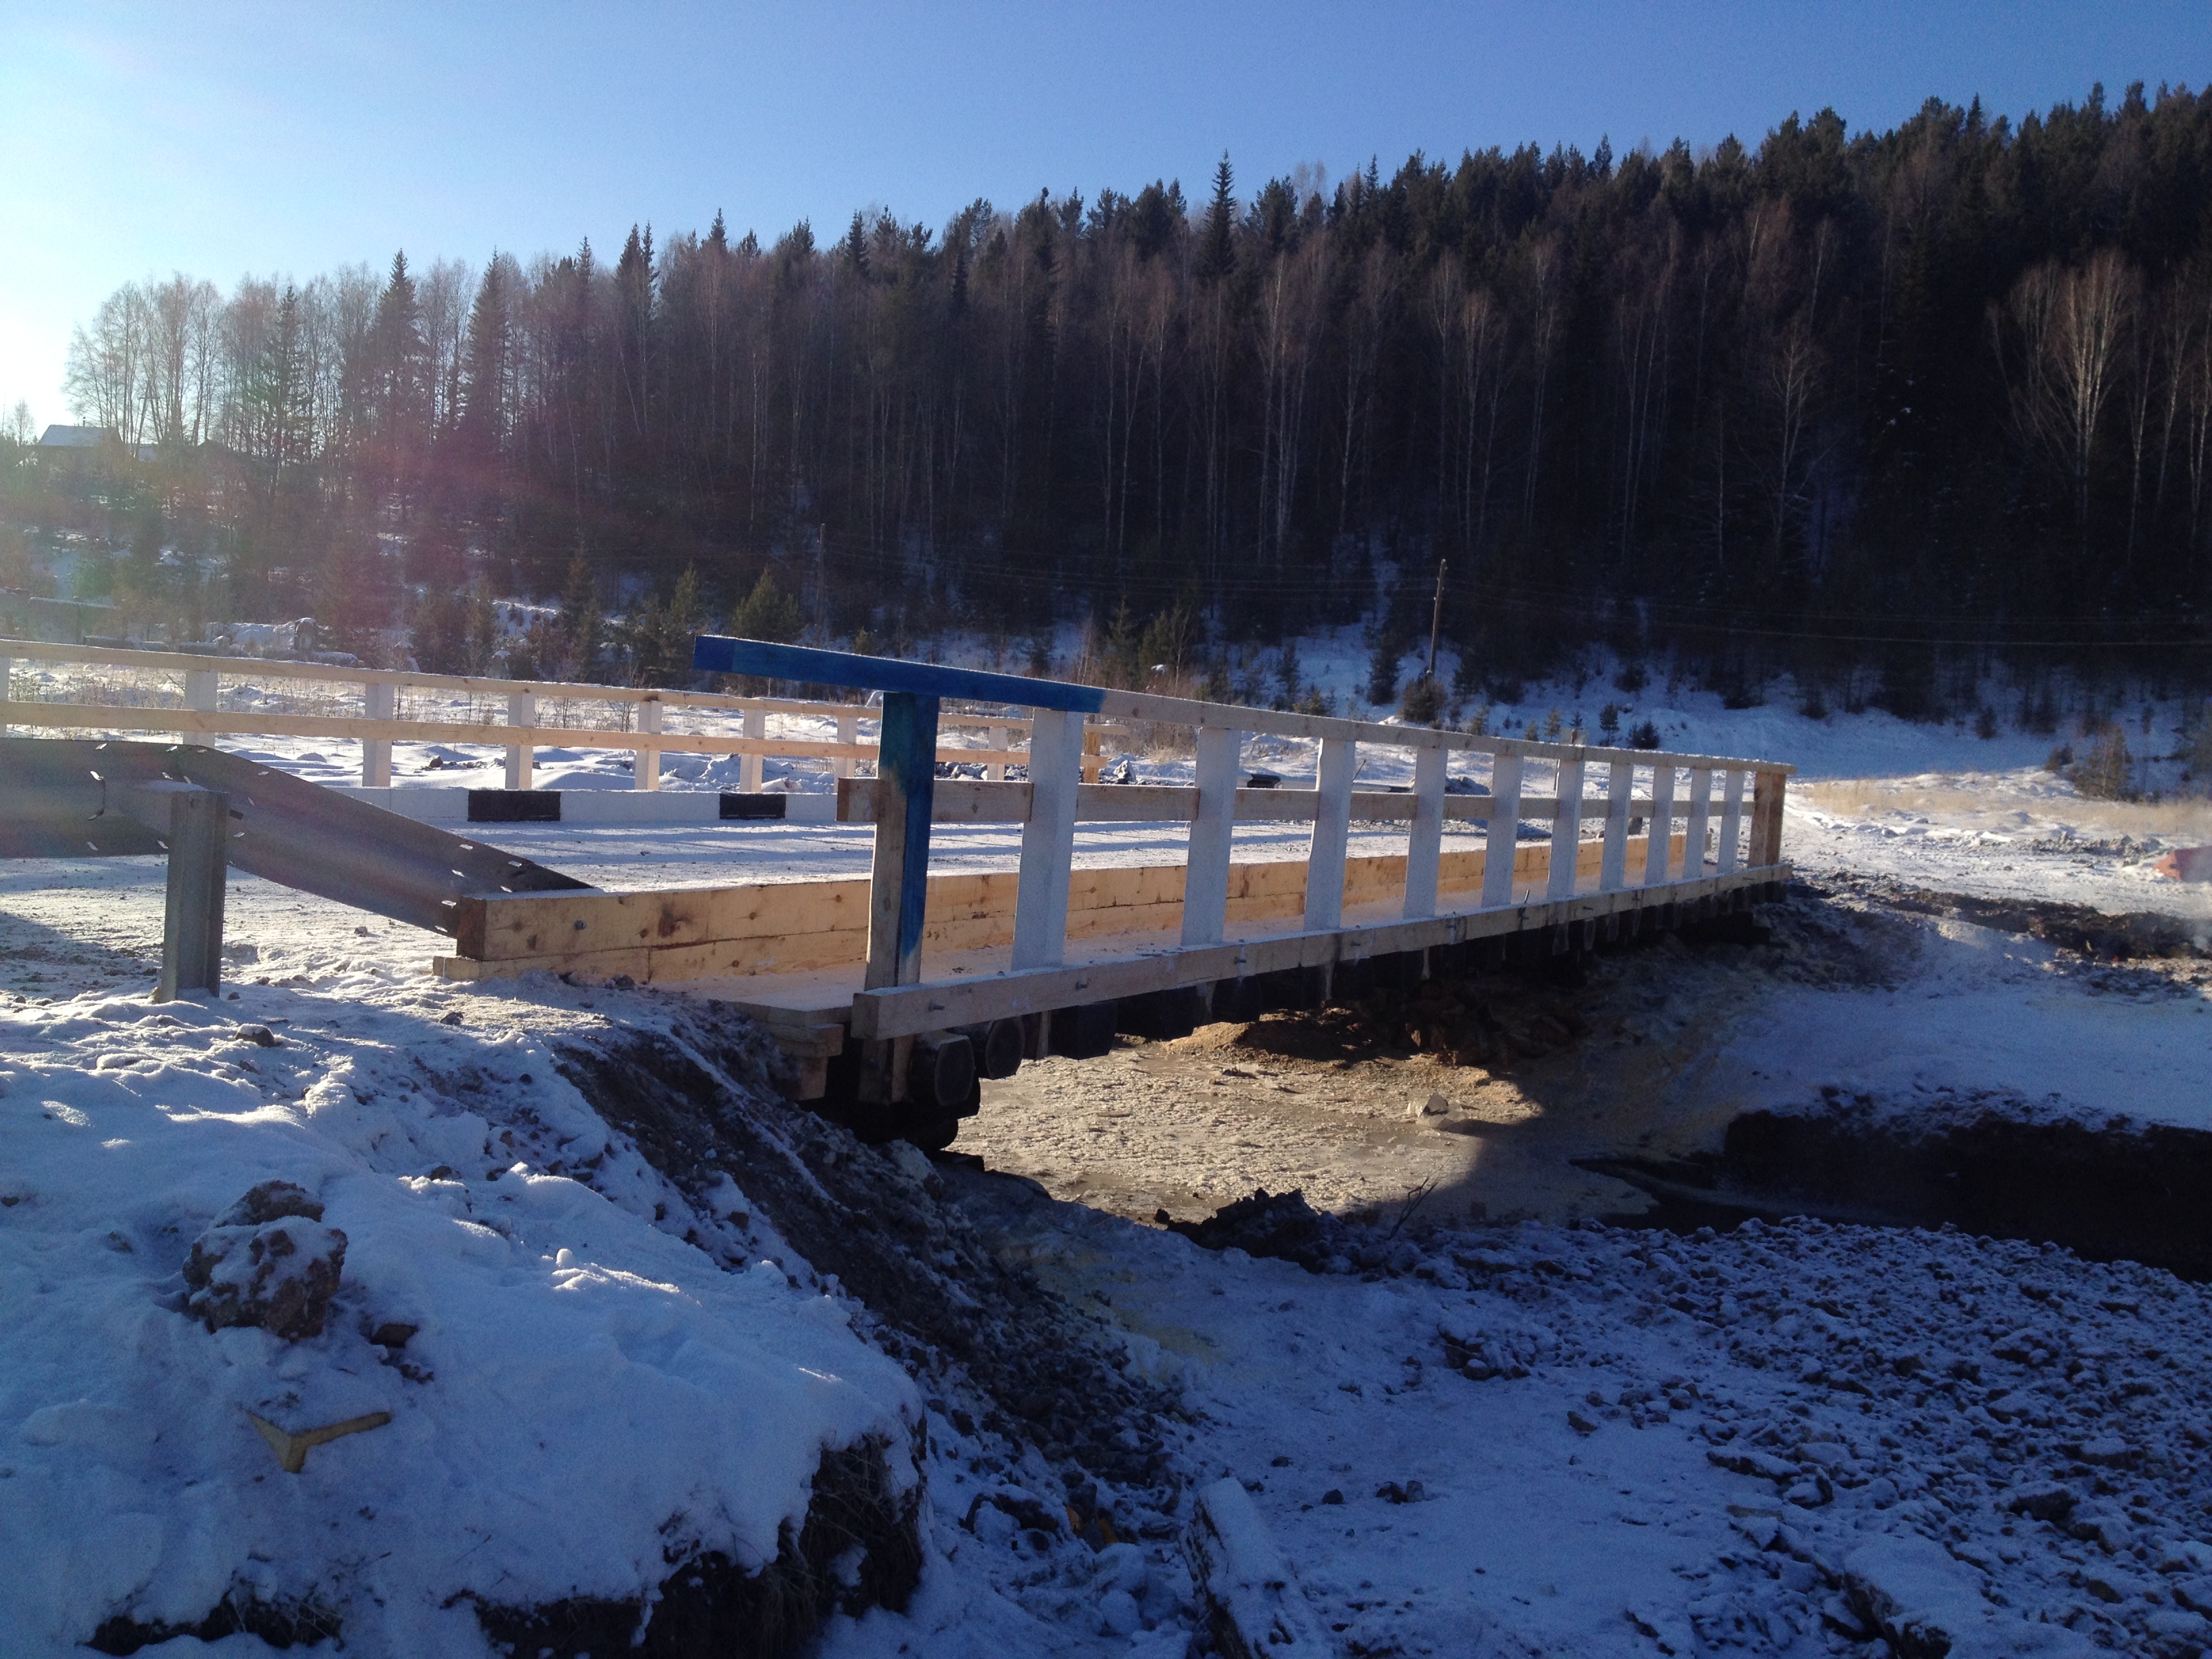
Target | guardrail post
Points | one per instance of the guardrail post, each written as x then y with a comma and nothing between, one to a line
1424,841
1332,834
1620,786
994,733
848,731
1701,808
1731,822
521,757
378,701
200,690
1056,761
645,769
1659,846
1566,830
1501,842
1212,834
749,766
1768,792
191,920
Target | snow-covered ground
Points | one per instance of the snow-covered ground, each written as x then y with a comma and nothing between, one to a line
1766,1441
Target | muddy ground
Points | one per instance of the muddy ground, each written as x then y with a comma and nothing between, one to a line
1488,1102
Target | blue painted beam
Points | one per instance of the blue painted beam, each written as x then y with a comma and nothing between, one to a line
713,653
898,885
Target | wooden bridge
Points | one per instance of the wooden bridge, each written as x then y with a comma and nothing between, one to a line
890,995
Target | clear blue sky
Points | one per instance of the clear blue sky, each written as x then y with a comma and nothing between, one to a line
218,139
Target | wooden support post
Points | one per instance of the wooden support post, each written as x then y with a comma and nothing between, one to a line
7,674
1092,762
1700,813
1425,841
1213,833
749,766
1768,792
994,733
200,690
1332,834
1731,822
1502,840
644,767
380,703
521,757
1056,761
1620,784
898,878
1659,850
192,923
1566,830
848,731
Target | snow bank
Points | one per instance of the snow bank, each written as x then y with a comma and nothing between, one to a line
582,1399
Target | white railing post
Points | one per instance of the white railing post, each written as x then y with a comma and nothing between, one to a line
379,701
1501,843
994,733
7,676
1048,840
1424,841
200,690
1731,822
1212,834
848,731
749,766
1566,830
1701,806
1620,787
1659,847
521,757
645,769
1332,834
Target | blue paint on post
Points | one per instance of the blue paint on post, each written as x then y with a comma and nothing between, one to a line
713,653
908,761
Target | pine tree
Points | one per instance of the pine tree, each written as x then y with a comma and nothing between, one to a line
1217,248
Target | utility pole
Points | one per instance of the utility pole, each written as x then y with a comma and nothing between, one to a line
1436,621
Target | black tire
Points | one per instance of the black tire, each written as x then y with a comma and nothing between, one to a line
932,1134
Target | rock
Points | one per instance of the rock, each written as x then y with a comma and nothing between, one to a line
1434,1106
268,1261
1910,1589
1332,1495
259,1035
1118,1613
2106,1453
2045,1501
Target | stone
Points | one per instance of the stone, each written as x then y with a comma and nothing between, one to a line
268,1261
259,1035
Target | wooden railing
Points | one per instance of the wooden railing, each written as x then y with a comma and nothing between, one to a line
197,713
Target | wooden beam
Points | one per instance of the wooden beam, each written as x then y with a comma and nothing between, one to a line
521,757
1505,832
1659,842
1620,780
1057,741
1700,813
645,764
379,699
1566,828
1424,839
1769,790
1332,833
898,878
749,765
1212,836
1731,824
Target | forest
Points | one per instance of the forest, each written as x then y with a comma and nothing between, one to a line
1878,410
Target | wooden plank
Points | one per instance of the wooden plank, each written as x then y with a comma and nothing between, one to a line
521,757
1212,836
1425,841
201,686
848,733
1504,832
1255,1607
1058,744
749,765
379,699
1700,813
1731,824
1566,830
898,877
1659,841
1613,868
645,763
1332,833
1768,791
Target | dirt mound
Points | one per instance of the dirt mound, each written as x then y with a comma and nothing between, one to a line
2134,935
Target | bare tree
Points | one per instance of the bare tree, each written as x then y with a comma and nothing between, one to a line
2072,326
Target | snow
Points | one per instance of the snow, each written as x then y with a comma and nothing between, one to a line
562,1417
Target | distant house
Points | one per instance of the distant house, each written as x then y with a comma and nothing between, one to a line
73,442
